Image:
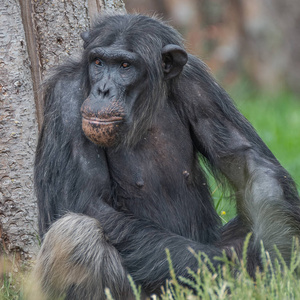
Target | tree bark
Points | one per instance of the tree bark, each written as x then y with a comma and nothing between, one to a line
18,134
34,37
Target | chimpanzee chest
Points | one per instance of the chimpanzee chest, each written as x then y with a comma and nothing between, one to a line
160,179
162,162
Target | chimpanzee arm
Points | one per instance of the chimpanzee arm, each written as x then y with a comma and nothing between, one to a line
142,245
267,198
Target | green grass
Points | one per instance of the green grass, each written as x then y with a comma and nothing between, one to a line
276,118
10,287
276,281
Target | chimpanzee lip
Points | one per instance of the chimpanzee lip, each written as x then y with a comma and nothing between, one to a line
98,121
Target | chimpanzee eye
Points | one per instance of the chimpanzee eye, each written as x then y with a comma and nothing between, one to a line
98,62
125,65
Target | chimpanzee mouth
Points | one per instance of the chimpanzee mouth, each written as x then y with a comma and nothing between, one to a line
102,131
103,121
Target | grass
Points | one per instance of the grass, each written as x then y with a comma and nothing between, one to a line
277,280
10,287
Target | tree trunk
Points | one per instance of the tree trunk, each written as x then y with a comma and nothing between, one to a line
18,134
34,36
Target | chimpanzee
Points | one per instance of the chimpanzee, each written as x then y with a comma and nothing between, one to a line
117,169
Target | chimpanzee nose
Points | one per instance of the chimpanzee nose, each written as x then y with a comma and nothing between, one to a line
103,90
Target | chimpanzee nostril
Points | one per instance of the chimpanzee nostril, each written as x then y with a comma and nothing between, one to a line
103,91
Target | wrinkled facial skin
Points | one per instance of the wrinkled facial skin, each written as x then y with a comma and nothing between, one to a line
114,77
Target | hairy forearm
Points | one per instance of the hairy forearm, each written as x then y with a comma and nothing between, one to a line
268,202
142,245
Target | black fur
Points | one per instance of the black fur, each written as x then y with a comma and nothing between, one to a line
149,192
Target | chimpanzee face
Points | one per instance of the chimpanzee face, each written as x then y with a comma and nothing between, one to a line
116,78
120,89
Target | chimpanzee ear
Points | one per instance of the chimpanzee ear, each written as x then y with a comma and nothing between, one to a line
174,58
85,36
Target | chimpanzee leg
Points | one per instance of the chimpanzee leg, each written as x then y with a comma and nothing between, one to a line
76,261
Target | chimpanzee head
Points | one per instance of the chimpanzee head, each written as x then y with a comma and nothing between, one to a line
132,61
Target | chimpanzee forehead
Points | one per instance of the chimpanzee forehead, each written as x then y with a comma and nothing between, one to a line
113,40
